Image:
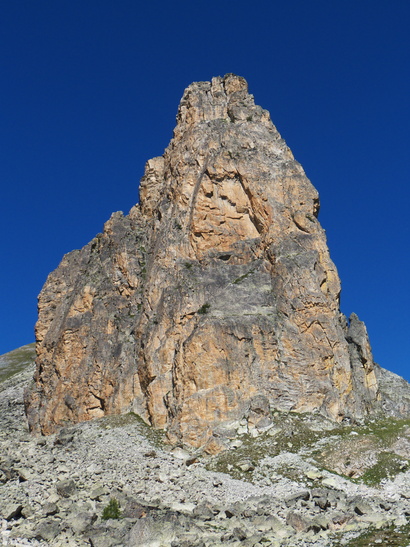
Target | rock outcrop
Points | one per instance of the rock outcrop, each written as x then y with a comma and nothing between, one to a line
213,301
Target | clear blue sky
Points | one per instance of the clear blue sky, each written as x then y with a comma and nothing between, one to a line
89,91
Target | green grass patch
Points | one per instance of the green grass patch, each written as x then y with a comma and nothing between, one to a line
112,510
16,361
387,430
241,278
294,434
315,438
392,536
388,466
204,309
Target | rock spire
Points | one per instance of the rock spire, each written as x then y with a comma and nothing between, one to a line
214,301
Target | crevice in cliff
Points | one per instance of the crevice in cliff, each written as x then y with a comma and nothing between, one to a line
197,187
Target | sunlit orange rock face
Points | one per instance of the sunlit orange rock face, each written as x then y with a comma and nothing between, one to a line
215,300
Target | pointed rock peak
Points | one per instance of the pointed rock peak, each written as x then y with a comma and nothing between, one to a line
213,302
224,98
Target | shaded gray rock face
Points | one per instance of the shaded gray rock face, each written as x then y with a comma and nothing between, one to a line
214,300
394,392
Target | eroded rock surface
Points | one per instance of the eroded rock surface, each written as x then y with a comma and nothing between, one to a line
214,300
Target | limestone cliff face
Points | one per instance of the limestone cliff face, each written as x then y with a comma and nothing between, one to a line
214,300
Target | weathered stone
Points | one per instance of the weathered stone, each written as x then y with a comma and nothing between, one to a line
66,488
213,300
80,522
24,474
99,538
98,492
11,511
339,520
65,436
330,481
360,507
187,508
147,531
7,469
239,533
181,454
294,498
27,511
47,530
237,443
376,519
313,474
298,521
50,509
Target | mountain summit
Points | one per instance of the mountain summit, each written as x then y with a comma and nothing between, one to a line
214,301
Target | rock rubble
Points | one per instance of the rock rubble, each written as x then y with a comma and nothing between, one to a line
54,489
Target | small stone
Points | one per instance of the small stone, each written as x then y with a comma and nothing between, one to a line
321,523
98,492
375,519
297,521
246,466
191,460
236,443
11,511
274,431
25,474
186,508
240,534
53,498
147,531
313,475
27,511
180,453
63,469
66,488
81,521
329,481
99,538
299,496
64,436
204,512
47,530
50,509
361,508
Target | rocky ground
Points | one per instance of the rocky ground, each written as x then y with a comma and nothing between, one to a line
302,482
